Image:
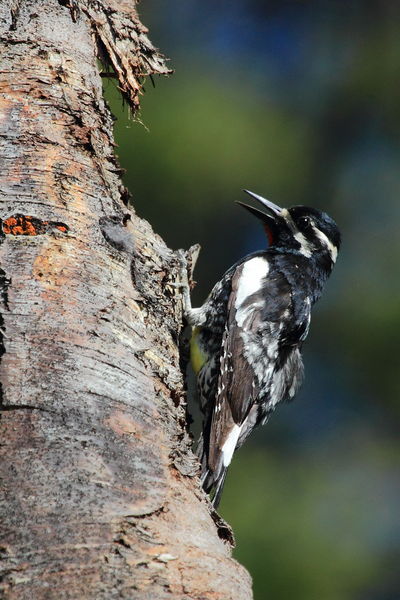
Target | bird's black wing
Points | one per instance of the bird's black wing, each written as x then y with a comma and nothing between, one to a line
260,365
249,347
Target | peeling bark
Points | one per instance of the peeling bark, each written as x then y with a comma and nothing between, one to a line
99,493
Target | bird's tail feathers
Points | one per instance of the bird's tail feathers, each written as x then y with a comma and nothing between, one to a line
212,478
212,481
213,484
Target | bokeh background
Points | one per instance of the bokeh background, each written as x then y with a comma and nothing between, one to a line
300,102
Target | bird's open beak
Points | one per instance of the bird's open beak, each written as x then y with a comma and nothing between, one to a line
270,221
270,206
274,208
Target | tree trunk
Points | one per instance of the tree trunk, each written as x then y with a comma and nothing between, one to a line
99,496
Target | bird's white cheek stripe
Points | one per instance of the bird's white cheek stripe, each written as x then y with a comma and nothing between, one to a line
327,242
305,246
230,444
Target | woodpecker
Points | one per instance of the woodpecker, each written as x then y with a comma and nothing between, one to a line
247,336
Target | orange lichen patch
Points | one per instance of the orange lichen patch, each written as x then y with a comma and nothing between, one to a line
28,225
20,225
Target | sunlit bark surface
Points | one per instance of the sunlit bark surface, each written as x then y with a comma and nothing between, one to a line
99,493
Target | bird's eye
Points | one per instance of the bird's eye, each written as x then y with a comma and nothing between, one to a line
305,221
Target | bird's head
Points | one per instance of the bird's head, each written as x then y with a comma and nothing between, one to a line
302,229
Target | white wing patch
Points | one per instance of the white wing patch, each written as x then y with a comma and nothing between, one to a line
250,282
230,444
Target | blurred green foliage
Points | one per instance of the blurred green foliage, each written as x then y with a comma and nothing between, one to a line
298,101
308,523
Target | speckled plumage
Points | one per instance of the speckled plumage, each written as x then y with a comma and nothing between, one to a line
251,329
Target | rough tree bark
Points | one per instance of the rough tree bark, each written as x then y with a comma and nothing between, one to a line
99,494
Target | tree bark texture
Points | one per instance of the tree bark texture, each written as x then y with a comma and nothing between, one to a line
99,490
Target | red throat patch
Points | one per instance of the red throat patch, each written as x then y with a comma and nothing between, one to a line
269,234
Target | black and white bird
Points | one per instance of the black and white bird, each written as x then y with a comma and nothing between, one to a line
247,336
